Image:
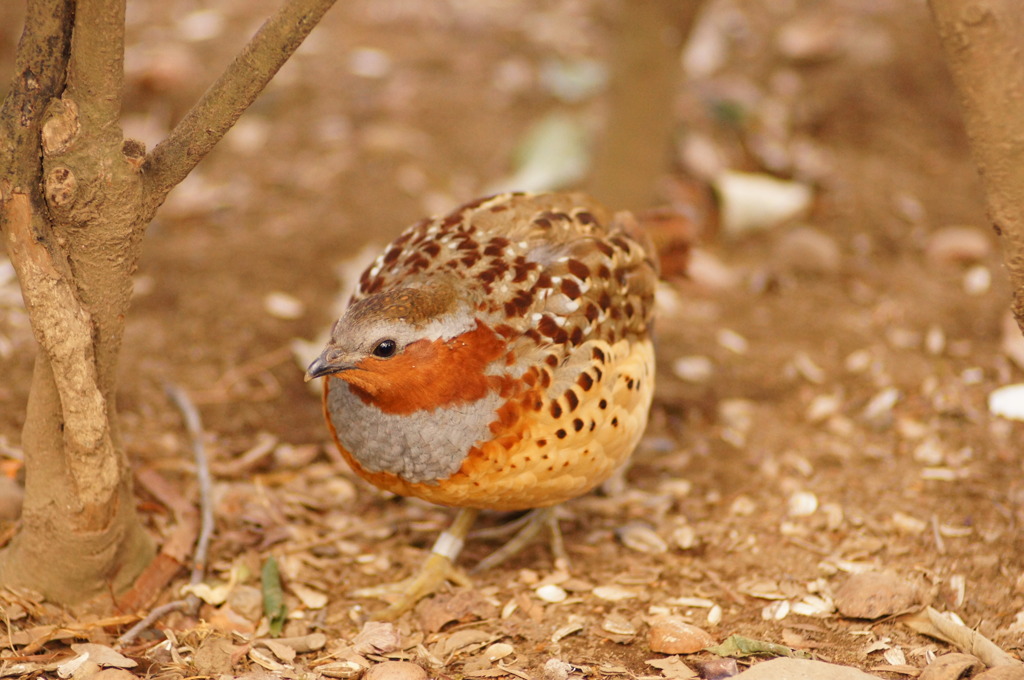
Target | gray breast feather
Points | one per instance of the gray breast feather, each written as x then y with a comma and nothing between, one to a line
420,447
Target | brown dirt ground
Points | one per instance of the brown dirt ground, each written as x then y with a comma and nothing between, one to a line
329,160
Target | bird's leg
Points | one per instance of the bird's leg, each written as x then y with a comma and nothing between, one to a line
531,523
438,568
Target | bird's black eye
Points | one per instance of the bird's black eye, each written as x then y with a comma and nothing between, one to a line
385,349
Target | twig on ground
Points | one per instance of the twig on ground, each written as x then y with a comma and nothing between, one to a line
152,617
194,426
940,545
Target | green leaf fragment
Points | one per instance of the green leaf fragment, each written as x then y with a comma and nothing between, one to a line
273,596
737,645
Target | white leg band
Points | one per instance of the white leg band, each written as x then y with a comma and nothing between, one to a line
447,545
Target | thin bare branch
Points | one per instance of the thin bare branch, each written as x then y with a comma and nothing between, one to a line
981,39
98,37
230,96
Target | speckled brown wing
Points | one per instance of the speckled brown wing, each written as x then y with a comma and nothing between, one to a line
572,295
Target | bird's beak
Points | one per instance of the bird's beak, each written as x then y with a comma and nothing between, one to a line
322,367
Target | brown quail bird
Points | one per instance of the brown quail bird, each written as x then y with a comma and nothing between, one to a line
496,358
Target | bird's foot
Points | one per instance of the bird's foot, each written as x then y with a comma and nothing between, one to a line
403,595
438,568
528,527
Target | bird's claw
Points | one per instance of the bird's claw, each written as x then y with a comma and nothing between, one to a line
404,594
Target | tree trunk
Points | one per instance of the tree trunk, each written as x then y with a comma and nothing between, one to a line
636,150
982,42
74,204
79,532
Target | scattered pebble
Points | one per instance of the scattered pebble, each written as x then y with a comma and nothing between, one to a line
935,340
930,452
874,594
693,369
974,375
977,280
616,624
396,670
958,586
743,506
807,369
802,504
813,605
283,306
878,412
707,270
858,361
672,635
717,669
684,537
200,25
641,537
776,611
908,524
556,669
806,250
552,593
369,62
957,245
810,38
573,81
707,50
754,202
1007,402
732,341
614,593
249,134
737,414
499,650
343,669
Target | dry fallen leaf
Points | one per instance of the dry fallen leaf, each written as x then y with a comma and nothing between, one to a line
673,668
934,624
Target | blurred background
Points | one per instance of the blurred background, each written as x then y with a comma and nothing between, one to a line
842,323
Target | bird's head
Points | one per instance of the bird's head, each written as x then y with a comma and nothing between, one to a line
409,348
382,327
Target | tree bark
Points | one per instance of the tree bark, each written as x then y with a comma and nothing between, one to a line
982,43
74,204
636,150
